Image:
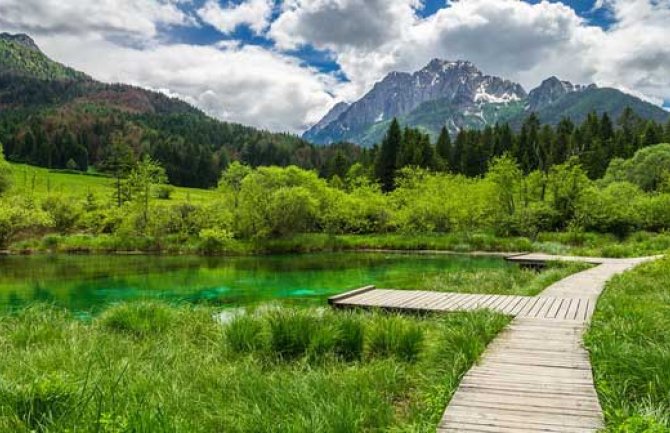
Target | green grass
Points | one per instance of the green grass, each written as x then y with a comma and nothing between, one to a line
512,280
41,182
580,244
629,341
375,372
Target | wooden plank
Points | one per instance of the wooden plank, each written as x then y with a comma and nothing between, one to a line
342,296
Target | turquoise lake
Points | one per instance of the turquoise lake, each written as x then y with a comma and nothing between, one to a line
88,283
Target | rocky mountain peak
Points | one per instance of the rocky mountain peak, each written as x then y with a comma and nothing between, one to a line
21,39
551,90
330,116
459,83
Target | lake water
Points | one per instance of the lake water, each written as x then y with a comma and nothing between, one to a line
87,283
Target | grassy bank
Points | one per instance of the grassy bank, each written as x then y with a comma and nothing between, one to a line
507,281
630,350
582,244
152,367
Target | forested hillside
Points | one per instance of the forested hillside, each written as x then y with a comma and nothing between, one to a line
56,117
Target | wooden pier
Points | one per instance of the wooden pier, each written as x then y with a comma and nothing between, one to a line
536,375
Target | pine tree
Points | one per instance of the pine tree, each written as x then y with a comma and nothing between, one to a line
562,147
457,155
526,151
118,161
386,162
443,146
652,135
629,122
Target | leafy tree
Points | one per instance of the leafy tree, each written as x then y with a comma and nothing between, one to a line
231,180
71,164
5,173
506,176
146,174
648,168
387,159
566,183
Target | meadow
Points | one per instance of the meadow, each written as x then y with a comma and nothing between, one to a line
630,349
150,367
41,182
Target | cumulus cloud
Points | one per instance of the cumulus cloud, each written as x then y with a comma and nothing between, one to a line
339,24
139,18
506,37
245,84
511,38
254,13
635,53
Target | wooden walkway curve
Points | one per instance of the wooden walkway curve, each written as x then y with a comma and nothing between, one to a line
536,375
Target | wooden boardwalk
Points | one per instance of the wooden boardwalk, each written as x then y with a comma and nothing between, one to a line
536,375
556,308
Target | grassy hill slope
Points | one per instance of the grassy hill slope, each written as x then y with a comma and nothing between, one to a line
42,182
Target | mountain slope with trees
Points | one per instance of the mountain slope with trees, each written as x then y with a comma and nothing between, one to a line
56,117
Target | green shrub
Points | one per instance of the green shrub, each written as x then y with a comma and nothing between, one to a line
21,216
216,241
164,192
64,211
139,319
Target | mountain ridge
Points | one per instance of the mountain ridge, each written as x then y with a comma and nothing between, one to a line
456,95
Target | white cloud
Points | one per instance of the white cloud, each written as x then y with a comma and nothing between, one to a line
245,84
139,18
254,13
511,38
635,53
507,37
339,24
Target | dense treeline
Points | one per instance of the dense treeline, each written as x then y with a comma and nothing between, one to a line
193,148
595,142
257,204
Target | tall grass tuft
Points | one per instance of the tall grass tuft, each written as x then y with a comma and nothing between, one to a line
350,343
245,334
139,319
395,336
39,404
291,332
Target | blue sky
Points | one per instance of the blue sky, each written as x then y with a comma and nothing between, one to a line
281,64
